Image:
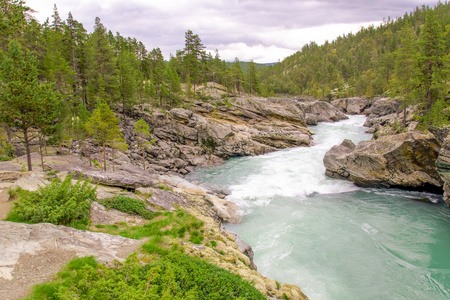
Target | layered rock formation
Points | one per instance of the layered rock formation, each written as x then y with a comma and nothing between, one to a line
207,133
405,160
443,167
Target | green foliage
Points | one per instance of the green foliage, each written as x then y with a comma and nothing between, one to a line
103,126
141,127
127,205
6,151
174,276
175,224
438,115
401,57
60,203
24,101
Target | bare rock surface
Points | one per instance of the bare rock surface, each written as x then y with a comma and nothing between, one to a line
443,167
352,106
31,254
405,160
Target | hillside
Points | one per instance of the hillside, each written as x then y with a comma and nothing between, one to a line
372,61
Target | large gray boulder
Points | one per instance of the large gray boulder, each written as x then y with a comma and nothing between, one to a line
352,106
323,111
405,160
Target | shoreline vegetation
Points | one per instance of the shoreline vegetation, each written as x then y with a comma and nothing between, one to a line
96,133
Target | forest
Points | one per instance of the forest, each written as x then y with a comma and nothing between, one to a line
407,57
54,75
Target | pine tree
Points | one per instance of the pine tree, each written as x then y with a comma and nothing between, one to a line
404,82
237,76
431,58
74,41
103,127
252,81
26,104
101,66
128,78
142,131
157,66
193,55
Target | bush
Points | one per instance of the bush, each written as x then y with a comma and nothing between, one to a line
174,276
60,203
127,205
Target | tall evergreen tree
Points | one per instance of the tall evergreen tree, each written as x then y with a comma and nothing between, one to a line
431,58
193,55
101,66
26,104
103,127
252,80
404,82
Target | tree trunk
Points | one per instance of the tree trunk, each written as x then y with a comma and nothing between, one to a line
41,152
27,147
143,157
104,156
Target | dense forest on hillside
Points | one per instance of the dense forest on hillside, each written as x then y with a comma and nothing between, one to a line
408,56
55,74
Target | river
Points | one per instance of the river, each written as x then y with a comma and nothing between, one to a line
331,238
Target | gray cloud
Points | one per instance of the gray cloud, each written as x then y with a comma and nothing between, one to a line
261,25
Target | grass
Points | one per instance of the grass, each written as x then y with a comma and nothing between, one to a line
175,224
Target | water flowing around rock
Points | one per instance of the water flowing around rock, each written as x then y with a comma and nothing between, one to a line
333,239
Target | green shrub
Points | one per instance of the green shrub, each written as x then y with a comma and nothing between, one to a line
174,276
127,205
60,203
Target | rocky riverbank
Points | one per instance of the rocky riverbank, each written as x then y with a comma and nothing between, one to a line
45,248
397,156
202,133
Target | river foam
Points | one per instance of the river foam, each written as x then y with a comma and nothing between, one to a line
333,239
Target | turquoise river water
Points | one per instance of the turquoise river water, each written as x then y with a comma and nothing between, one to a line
331,238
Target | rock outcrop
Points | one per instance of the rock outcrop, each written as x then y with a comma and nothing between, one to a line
207,133
352,106
405,160
443,167
321,111
31,254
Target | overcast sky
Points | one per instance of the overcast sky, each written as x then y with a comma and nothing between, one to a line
262,30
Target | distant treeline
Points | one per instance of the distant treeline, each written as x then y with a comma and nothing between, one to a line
102,66
407,57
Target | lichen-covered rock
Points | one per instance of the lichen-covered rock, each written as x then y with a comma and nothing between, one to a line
405,160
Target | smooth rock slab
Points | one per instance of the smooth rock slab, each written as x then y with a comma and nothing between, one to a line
32,254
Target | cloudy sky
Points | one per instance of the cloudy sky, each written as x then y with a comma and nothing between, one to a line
262,30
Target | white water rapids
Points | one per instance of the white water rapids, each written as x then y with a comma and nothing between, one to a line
331,238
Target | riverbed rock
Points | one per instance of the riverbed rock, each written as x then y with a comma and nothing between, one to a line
352,106
405,160
32,254
324,111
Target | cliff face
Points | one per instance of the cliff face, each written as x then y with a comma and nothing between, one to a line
205,134
443,167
